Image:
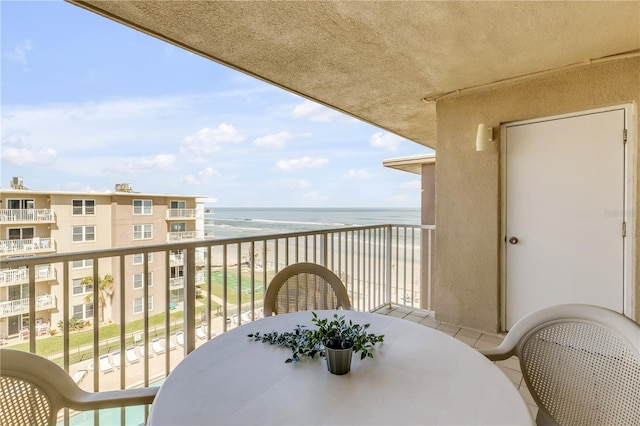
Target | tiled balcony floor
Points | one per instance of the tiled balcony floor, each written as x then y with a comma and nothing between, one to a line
476,339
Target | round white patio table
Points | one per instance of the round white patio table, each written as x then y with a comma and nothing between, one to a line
417,376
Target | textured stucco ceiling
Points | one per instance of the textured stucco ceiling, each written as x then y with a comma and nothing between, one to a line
378,61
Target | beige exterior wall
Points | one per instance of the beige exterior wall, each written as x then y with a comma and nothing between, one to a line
468,215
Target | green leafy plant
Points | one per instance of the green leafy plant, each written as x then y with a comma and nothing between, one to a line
336,333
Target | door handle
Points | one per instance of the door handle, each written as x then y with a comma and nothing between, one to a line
513,240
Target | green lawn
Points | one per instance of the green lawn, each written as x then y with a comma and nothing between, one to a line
232,287
109,337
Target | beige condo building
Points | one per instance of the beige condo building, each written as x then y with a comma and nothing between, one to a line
34,222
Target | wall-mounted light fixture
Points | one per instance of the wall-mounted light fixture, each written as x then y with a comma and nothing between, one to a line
484,138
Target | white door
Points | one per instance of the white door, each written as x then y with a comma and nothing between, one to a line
564,210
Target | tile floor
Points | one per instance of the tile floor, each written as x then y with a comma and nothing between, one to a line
476,339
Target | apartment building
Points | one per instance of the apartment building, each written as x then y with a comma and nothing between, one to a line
34,222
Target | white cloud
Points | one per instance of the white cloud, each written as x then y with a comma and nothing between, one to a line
17,150
299,184
305,162
412,184
19,53
202,176
386,141
146,164
358,174
208,141
276,140
315,112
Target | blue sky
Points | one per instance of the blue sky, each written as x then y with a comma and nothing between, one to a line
87,103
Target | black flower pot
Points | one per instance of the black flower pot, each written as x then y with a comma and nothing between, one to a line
338,360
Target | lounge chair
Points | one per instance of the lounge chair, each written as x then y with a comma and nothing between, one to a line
172,345
105,364
141,350
116,359
79,376
201,331
157,347
180,338
131,355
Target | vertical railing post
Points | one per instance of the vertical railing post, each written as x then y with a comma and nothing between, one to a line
190,301
32,309
388,263
323,249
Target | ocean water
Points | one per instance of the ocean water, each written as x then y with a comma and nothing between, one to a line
227,222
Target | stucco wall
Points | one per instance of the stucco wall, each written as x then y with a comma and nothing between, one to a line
467,290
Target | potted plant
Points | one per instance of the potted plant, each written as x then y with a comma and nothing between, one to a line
336,339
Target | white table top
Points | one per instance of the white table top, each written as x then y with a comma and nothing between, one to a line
417,376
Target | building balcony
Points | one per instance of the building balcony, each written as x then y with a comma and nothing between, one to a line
36,245
27,216
181,214
21,275
21,306
379,266
184,236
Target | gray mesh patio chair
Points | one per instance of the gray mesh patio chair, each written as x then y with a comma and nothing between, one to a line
305,286
35,389
581,364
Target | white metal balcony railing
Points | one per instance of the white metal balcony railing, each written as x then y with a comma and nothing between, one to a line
27,247
21,275
378,265
181,214
184,236
27,216
21,306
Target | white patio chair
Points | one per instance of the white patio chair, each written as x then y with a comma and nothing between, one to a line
172,346
131,355
201,332
581,364
141,350
79,376
105,364
157,347
305,286
35,389
116,359
180,338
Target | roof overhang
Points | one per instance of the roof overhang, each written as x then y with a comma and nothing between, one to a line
387,63
411,164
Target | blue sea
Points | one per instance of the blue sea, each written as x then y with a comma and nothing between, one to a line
227,222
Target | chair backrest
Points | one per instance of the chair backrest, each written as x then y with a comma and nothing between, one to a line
581,364
305,286
34,389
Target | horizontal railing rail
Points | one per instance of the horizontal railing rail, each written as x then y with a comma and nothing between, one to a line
27,215
21,275
21,306
181,213
27,246
185,235
202,288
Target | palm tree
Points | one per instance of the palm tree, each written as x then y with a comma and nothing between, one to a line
105,293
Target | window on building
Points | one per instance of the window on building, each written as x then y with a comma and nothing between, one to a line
78,288
178,227
83,312
84,233
84,263
83,207
138,259
21,233
178,205
142,207
138,307
142,232
138,281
